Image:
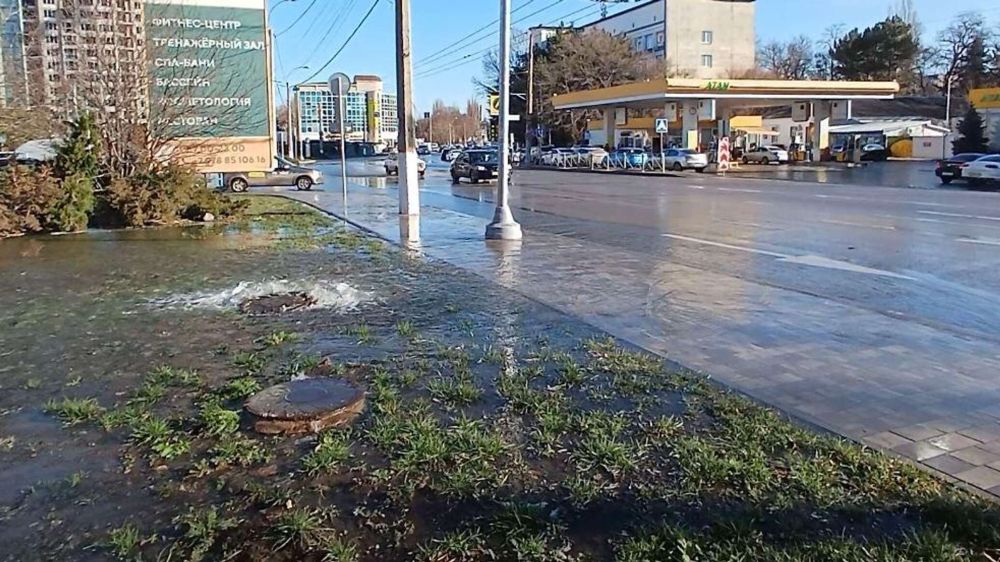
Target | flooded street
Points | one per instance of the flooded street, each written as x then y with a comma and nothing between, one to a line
493,427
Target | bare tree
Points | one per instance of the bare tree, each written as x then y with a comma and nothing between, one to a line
961,51
790,61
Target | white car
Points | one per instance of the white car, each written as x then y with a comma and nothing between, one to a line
678,159
766,155
558,156
983,170
590,155
392,165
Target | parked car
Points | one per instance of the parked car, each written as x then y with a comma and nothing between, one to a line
392,165
678,159
950,169
476,165
587,155
629,158
765,155
557,156
983,170
423,150
874,152
286,173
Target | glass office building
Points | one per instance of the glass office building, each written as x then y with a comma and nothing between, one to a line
370,113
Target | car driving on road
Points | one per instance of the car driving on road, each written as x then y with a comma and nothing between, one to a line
476,165
950,169
286,173
392,165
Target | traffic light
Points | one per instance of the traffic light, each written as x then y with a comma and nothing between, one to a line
494,128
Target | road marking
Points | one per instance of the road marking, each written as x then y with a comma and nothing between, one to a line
724,245
983,241
959,215
827,263
808,260
822,196
695,186
740,190
847,223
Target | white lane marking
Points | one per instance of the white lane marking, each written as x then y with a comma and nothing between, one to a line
983,241
695,186
822,196
809,260
727,246
861,224
739,190
959,215
827,263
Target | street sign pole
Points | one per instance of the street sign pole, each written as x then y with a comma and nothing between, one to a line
340,84
663,162
503,226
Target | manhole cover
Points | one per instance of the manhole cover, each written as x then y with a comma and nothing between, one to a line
305,406
276,303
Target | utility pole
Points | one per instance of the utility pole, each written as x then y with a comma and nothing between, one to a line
503,226
409,194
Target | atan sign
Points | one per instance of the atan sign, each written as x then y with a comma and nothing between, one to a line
209,72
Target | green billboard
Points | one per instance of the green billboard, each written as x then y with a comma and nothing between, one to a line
208,63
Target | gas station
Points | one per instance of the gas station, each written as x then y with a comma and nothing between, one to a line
702,112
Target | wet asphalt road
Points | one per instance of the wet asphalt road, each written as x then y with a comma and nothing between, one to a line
928,256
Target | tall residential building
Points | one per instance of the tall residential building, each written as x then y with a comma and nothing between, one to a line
13,65
370,113
697,38
68,43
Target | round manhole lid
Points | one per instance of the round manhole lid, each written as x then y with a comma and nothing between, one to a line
306,405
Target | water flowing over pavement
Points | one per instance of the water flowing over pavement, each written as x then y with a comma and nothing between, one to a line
872,312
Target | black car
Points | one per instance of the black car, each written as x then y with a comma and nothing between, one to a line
475,165
950,169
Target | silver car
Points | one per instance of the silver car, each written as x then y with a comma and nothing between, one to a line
286,173
678,159
392,165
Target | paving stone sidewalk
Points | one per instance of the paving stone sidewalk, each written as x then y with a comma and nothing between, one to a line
925,394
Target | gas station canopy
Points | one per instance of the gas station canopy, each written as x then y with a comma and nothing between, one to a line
653,93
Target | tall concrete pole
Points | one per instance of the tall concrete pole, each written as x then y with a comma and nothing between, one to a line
287,149
503,226
529,130
409,194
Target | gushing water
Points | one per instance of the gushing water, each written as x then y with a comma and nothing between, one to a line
325,294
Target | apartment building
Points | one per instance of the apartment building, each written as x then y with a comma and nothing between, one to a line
64,41
695,38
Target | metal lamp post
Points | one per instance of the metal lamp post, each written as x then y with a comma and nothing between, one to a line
504,227
947,120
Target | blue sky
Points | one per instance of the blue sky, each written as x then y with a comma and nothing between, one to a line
437,24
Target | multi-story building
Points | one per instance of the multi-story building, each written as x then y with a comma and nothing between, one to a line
696,38
13,65
370,113
65,40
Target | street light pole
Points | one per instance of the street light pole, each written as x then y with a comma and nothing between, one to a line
529,131
947,120
504,227
409,194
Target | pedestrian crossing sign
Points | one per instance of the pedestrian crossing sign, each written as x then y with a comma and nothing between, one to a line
662,126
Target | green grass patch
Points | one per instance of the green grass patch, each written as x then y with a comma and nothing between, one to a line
74,411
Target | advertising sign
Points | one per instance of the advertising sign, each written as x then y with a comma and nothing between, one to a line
209,70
